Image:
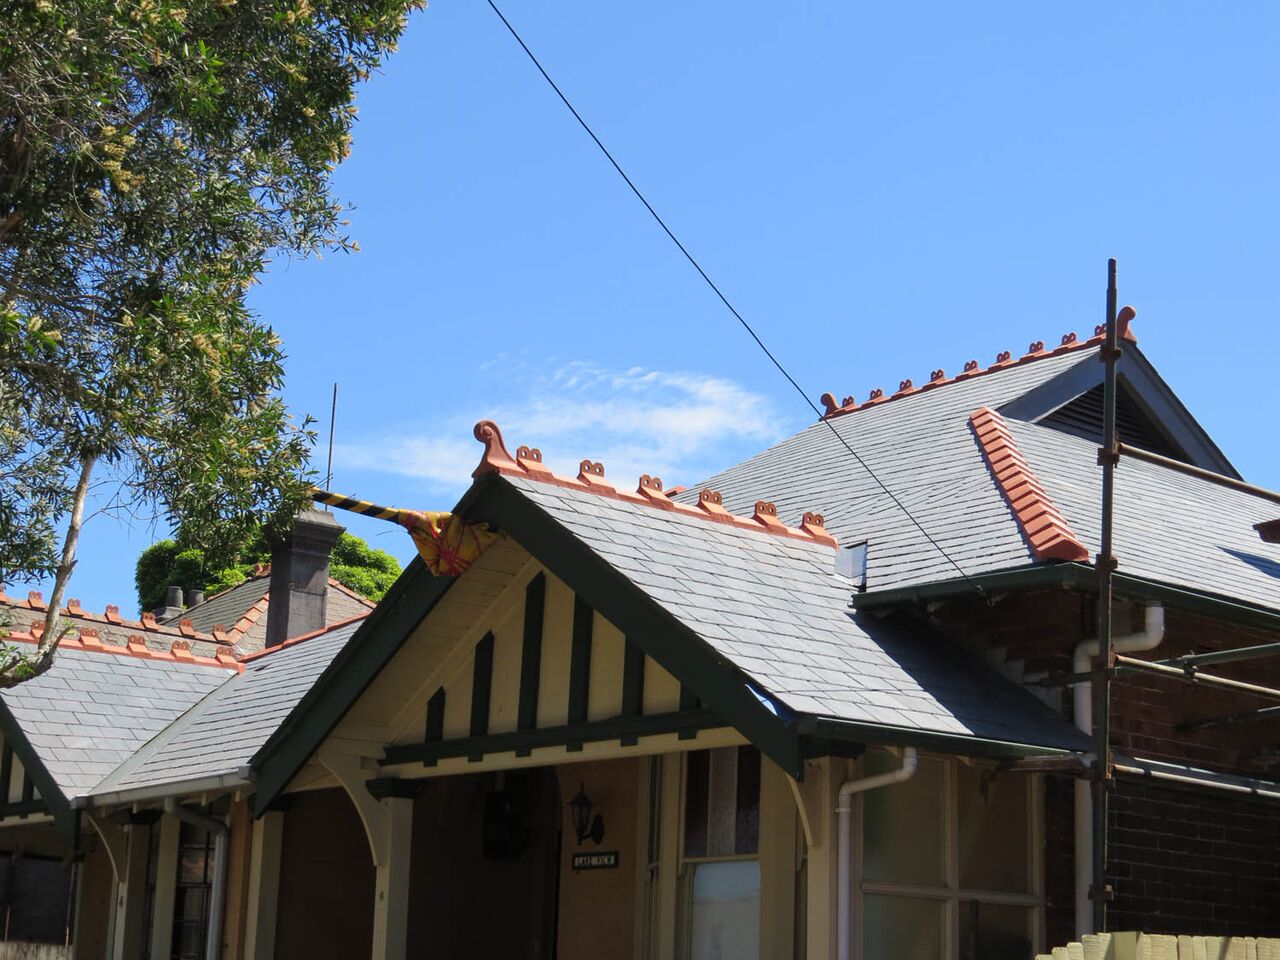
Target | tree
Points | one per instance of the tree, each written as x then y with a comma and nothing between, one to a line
354,564
153,156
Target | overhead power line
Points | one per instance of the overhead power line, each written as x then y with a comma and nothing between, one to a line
725,300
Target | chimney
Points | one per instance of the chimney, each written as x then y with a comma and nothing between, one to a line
195,598
300,576
172,605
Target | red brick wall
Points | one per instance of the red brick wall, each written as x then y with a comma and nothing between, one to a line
1183,860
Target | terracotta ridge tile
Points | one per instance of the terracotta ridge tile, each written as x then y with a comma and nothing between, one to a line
147,623
1045,528
1004,360
649,493
88,639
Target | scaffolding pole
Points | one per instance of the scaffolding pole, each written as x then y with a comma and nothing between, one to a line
1108,457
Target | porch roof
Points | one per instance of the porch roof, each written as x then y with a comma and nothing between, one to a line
217,736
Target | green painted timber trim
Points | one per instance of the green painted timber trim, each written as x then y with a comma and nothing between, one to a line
632,684
580,660
526,740
37,775
481,688
6,770
826,736
374,643
688,701
23,809
435,718
1080,577
535,605
721,685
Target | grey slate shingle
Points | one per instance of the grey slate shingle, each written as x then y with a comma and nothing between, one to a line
836,665
220,734
91,710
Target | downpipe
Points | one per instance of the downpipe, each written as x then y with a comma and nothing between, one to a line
218,882
1152,636
844,810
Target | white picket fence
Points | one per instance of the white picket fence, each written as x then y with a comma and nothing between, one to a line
1148,946
34,951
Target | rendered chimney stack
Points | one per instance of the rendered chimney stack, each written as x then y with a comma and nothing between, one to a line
300,576
172,605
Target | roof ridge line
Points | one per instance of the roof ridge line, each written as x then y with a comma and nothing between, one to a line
528,463
87,639
1041,522
183,629
291,641
1004,361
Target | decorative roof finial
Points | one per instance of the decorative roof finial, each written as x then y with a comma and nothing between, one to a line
496,456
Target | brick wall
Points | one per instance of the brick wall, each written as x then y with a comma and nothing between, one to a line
1193,862
1185,861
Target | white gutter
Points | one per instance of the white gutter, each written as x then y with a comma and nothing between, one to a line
844,808
218,783
1081,662
218,882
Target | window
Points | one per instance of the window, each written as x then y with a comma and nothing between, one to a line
192,894
651,877
948,868
720,883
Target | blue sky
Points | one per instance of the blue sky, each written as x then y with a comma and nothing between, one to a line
881,189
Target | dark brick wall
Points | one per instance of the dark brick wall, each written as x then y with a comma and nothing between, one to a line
1193,862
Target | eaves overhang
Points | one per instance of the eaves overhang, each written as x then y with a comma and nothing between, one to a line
64,817
1077,577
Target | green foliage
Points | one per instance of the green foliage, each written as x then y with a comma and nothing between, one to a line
153,157
354,564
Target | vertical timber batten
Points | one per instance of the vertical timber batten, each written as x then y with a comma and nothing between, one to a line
435,721
481,684
632,685
580,664
535,601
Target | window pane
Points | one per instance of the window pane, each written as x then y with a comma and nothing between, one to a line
722,802
902,928
697,767
993,831
992,932
725,921
747,835
903,825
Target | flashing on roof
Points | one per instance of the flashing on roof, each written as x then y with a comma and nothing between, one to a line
851,563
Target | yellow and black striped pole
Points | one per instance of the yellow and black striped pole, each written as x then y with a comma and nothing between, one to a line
447,544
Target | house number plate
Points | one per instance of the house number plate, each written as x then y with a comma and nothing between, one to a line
599,860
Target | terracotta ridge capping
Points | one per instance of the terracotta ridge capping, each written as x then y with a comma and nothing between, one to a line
87,638
1044,526
528,463
147,623
303,636
1004,360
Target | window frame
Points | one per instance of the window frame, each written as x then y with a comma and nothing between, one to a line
950,894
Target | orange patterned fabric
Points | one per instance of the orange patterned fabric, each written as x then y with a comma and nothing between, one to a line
447,543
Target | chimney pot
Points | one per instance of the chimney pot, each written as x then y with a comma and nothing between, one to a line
172,605
300,576
195,598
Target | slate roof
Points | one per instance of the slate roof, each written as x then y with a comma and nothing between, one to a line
93,709
1169,527
218,736
922,449
775,608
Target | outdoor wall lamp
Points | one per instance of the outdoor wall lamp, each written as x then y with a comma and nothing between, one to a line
583,823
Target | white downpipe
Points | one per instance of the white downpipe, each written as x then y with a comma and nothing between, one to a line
218,881
1081,661
844,808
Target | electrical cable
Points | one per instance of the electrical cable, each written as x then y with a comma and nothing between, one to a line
725,300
